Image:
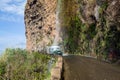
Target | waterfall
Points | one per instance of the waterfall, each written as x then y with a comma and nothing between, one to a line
58,38
96,12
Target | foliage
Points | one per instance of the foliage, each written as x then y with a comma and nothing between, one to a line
101,37
98,38
73,33
18,64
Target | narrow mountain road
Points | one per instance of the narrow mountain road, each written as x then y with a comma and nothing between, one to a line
84,68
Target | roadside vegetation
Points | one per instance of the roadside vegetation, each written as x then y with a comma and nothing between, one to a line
19,64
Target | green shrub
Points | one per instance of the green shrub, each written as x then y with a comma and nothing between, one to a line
18,64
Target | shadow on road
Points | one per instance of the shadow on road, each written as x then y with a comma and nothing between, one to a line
86,68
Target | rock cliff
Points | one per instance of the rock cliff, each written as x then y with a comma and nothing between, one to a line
94,31
40,23
87,26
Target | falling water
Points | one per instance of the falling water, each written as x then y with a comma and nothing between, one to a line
58,38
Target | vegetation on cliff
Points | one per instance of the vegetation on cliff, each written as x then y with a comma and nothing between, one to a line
93,33
18,64
90,27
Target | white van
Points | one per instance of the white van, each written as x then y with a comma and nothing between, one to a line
55,50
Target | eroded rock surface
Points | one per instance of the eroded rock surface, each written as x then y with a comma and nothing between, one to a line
87,26
40,23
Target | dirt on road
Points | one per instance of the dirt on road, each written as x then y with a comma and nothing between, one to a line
84,68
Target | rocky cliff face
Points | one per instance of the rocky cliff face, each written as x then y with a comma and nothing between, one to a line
87,26
95,29
101,23
40,23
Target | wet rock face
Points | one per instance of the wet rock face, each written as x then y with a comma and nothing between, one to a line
40,23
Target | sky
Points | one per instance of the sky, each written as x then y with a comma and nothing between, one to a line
12,28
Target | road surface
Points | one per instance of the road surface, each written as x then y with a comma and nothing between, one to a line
84,68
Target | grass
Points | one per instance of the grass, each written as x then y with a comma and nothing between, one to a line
18,64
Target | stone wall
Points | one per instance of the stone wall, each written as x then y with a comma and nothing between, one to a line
56,71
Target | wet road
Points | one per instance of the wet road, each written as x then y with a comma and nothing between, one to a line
84,68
